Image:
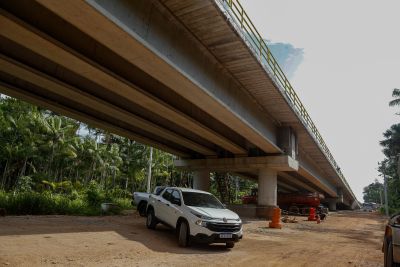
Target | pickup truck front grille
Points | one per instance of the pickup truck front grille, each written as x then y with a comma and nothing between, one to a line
224,227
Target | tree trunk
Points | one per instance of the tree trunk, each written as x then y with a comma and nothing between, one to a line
126,183
3,180
22,172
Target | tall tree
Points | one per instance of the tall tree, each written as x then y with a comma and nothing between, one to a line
396,96
373,192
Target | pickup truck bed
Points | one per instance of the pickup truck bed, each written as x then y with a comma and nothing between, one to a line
140,199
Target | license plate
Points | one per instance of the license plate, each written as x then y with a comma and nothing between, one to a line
225,235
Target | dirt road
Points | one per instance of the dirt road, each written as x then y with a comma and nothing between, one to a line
345,239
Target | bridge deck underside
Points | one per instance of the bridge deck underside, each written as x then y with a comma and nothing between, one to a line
48,61
55,65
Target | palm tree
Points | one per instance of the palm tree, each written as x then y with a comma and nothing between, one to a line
396,96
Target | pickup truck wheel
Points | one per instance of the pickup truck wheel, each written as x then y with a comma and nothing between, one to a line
389,255
142,209
183,235
385,251
229,244
151,220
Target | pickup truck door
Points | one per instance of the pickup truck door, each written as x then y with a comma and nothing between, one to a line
173,210
163,202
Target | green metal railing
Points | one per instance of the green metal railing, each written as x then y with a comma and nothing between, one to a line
260,49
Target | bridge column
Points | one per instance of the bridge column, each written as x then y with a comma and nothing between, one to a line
201,180
332,204
354,205
267,192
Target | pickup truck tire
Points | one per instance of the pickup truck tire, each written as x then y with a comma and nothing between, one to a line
142,208
389,255
229,244
151,220
183,234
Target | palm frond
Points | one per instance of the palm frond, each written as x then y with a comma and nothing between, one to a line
395,102
396,92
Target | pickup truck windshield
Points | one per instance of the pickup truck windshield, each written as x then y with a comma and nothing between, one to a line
201,200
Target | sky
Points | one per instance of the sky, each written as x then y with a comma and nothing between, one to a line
351,65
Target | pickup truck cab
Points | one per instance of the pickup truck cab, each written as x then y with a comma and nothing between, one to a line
195,215
140,199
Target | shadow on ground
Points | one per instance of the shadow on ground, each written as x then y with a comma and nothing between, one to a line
131,227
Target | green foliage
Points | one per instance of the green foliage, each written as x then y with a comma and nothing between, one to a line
373,192
94,195
390,166
396,96
24,184
34,203
42,153
51,164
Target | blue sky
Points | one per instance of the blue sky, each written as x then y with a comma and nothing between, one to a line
351,65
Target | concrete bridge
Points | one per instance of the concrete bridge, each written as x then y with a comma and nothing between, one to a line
191,77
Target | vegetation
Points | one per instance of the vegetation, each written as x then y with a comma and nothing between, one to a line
389,167
373,192
396,96
51,164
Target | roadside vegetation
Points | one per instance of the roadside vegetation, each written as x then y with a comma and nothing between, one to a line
389,167
51,164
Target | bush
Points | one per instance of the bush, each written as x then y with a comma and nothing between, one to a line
95,195
34,203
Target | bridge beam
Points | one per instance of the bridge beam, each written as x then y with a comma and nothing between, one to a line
73,94
296,182
277,163
45,46
119,35
92,121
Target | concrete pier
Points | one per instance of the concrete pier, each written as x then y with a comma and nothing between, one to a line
201,180
267,192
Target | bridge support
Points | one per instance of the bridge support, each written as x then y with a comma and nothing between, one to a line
201,180
267,192
332,204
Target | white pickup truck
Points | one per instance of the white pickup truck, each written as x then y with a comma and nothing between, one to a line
195,215
140,199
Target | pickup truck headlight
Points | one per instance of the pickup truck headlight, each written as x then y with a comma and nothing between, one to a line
201,223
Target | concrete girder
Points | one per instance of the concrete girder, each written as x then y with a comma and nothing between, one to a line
288,187
54,51
297,182
313,178
51,105
73,94
136,51
355,205
278,163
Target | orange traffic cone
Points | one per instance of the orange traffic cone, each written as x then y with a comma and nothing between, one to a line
276,219
312,216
